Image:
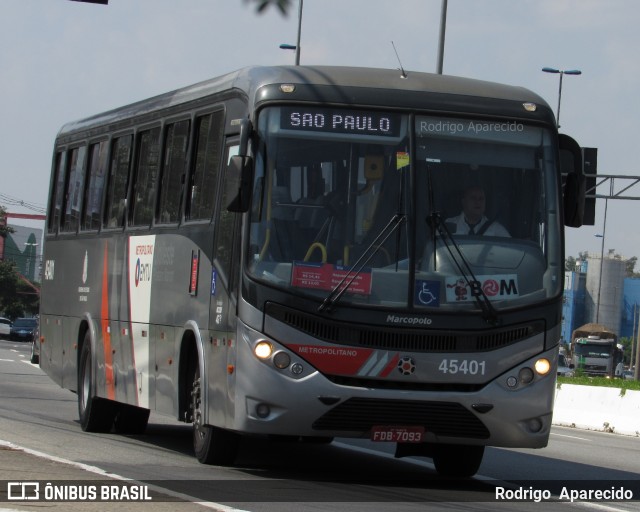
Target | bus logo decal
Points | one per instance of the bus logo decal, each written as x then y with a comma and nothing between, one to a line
406,366
140,269
142,272
496,287
85,267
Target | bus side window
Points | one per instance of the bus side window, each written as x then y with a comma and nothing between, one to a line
118,180
75,186
57,191
203,182
94,186
175,163
146,177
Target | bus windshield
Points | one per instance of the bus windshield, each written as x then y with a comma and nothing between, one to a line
595,350
405,211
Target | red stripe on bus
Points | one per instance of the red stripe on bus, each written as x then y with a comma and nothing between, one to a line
392,364
335,360
106,335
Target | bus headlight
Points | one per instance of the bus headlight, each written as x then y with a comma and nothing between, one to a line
263,350
542,366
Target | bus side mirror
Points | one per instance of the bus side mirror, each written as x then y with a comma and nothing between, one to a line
573,181
238,184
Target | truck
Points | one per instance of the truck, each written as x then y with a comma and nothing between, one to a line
595,351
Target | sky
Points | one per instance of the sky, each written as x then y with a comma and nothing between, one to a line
62,60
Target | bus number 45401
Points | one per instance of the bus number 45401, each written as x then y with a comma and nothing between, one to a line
464,366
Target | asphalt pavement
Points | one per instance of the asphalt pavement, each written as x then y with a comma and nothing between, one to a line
27,479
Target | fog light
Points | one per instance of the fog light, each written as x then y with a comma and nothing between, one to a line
543,366
263,350
525,375
262,410
281,360
534,425
512,382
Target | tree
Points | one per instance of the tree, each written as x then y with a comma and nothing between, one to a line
570,262
631,264
282,5
16,297
4,229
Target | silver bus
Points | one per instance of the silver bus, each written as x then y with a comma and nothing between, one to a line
286,251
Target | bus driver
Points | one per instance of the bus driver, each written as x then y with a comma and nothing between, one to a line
472,220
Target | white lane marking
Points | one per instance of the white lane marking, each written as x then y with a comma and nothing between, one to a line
98,471
598,506
571,437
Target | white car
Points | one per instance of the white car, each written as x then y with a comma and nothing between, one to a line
565,369
5,327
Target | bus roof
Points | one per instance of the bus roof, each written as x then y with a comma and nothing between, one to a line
248,81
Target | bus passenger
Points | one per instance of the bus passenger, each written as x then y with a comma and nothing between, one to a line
472,220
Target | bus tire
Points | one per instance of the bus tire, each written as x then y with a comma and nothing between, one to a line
458,461
212,445
96,414
131,419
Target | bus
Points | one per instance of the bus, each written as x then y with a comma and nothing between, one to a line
274,253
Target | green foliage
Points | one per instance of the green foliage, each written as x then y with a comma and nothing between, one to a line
17,298
4,229
570,264
282,5
623,384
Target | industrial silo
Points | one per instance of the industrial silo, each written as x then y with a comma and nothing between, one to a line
605,281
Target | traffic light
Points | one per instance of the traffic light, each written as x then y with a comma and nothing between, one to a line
590,159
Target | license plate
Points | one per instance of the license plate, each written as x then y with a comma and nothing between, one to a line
397,434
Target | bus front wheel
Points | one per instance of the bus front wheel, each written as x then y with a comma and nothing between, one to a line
212,445
96,414
459,461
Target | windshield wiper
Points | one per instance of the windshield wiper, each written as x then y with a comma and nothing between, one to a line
436,222
339,290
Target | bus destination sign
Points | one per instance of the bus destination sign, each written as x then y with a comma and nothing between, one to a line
357,122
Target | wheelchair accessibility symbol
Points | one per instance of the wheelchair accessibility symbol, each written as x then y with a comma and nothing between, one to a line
427,293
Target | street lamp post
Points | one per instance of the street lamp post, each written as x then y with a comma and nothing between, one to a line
604,230
296,47
561,72
443,26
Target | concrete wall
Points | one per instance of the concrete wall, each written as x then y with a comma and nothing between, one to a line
598,408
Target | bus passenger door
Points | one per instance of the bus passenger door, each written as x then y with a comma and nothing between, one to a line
222,319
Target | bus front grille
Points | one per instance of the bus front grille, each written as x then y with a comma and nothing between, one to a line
448,419
404,339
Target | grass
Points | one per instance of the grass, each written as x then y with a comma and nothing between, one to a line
601,381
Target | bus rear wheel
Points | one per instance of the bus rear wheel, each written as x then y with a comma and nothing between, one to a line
212,445
96,414
458,461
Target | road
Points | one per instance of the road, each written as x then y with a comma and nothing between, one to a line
269,476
